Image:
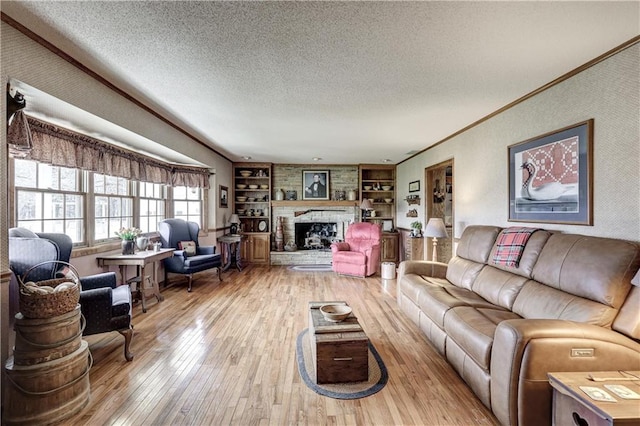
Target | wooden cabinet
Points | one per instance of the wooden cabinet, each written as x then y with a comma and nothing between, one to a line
251,200
389,250
414,248
378,184
256,248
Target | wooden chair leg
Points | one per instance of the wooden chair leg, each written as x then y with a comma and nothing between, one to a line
190,279
219,273
128,336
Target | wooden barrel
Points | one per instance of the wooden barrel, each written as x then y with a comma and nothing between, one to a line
48,392
42,340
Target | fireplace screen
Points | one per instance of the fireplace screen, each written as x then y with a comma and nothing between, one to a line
315,235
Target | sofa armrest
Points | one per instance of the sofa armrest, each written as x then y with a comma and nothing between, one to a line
422,267
206,250
525,350
340,246
103,280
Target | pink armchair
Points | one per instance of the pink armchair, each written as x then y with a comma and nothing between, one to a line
359,255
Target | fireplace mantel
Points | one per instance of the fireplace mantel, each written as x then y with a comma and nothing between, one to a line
314,203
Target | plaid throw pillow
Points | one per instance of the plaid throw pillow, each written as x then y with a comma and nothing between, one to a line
510,246
189,247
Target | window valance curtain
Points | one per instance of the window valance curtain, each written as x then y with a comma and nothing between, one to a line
62,147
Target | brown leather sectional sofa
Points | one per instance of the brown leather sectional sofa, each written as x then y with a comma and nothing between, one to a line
568,306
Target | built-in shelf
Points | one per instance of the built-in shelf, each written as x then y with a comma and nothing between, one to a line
314,203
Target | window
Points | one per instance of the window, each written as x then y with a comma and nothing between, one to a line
49,199
113,205
90,207
152,203
187,204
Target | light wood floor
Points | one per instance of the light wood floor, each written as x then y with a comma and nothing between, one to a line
225,354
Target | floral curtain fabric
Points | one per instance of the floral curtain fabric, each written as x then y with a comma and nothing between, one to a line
62,147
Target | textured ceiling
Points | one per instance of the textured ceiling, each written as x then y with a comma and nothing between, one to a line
350,82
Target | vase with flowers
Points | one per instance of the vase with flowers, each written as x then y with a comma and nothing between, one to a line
128,237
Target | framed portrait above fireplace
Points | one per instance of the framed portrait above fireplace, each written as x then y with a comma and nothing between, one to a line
315,185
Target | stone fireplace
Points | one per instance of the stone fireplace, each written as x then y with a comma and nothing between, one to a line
316,227
315,235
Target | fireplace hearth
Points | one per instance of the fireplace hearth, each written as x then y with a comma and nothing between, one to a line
315,235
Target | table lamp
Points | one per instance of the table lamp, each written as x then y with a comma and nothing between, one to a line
435,229
366,206
234,221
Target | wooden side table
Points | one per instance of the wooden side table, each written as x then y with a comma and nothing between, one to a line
572,406
231,251
140,260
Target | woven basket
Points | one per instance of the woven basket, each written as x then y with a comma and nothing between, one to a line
35,305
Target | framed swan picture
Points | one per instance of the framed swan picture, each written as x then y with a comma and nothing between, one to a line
550,177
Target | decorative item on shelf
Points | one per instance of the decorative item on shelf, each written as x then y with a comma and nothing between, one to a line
413,199
352,195
416,228
279,195
279,234
261,173
366,206
291,195
340,195
412,213
128,236
234,221
435,229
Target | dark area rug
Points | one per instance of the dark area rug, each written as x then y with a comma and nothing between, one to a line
377,373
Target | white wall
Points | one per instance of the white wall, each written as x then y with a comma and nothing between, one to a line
608,92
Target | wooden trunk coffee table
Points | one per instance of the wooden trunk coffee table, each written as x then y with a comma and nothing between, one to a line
340,349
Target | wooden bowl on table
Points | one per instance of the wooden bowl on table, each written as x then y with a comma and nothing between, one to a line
335,313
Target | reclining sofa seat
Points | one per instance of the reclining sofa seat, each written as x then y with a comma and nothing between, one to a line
503,328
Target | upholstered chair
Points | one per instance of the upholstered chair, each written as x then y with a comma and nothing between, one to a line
105,306
359,254
189,257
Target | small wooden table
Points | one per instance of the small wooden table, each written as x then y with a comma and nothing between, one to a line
571,405
231,251
340,350
140,260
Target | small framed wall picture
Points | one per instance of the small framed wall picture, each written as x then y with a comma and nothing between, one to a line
223,196
315,185
414,186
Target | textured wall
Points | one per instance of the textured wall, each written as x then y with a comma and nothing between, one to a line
608,92
289,177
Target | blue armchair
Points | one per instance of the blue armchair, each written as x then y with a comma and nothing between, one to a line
105,306
172,233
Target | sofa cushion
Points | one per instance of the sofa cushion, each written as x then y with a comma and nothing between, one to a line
200,259
476,243
354,257
498,287
414,285
529,256
538,301
473,328
463,272
599,269
436,301
189,247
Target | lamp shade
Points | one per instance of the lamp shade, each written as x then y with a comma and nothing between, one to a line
366,205
435,228
234,219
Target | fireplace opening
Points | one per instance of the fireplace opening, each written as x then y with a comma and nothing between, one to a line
315,235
